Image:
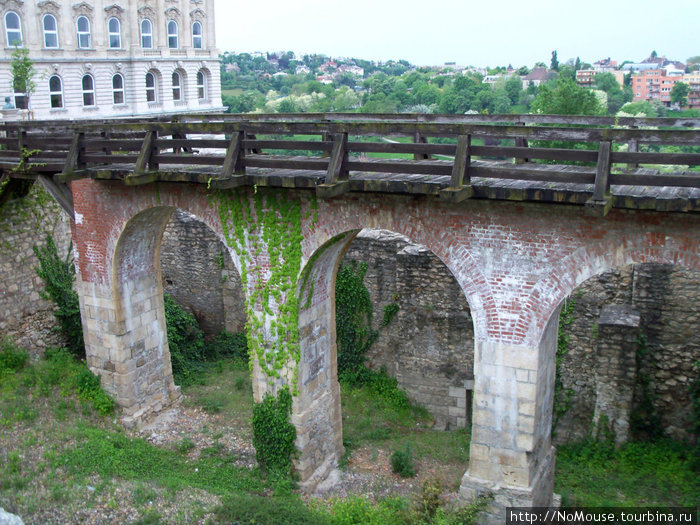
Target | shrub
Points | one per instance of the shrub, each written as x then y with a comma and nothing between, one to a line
227,345
58,275
12,357
273,434
186,342
402,462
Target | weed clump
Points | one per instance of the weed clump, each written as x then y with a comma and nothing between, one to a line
12,357
402,462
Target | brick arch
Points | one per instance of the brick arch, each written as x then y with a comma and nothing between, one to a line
595,259
426,223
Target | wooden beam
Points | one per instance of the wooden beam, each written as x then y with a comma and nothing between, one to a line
233,163
145,156
338,173
73,160
460,183
420,139
521,142
61,194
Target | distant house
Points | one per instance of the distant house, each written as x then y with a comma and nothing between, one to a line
537,76
654,84
585,77
605,65
302,70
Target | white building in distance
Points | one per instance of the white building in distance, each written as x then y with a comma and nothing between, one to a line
113,58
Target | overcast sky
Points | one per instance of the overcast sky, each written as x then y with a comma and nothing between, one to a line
469,32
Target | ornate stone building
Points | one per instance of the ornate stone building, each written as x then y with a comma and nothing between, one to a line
113,58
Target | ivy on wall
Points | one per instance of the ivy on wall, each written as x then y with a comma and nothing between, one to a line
266,233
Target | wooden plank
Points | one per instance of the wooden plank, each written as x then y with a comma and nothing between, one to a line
429,168
188,159
60,193
94,158
536,153
288,144
297,163
681,180
425,150
540,175
692,159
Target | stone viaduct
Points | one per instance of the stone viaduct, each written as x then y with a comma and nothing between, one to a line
515,260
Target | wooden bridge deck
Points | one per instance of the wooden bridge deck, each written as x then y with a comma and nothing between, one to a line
575,160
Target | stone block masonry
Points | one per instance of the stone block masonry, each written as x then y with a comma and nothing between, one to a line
199,274
24,223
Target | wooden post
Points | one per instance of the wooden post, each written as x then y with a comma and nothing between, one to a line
521,142
633,147
420,139
145,160
233,163
460,184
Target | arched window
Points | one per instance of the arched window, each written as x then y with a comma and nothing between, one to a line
151,87
177,87
56,91
88,91
84,38
146,34
197,35
50,32
13,29
115,34
201,85
118,89
172,34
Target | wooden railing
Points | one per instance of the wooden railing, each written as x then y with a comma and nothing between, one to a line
223,149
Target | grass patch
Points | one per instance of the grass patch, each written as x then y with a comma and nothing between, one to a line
112,454
369,418
595,474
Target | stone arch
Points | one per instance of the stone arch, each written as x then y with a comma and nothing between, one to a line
120,289
316,412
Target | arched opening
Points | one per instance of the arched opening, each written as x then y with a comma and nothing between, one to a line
423,338
626,352
141,372
625,373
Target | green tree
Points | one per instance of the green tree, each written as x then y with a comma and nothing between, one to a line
554,64
514,87
566,98
679,94
23,73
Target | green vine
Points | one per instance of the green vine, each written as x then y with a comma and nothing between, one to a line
273,434
266,234
562,398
